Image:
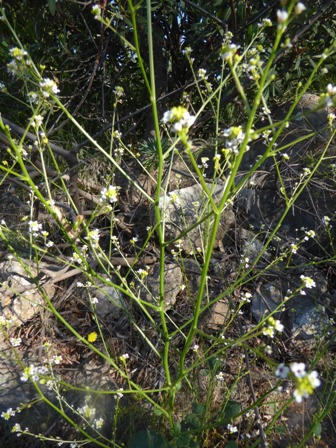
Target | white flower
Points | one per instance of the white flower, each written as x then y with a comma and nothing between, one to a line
202,73
310,234
124,357
37,121
299,394
299,8
266,22
278,326
56,359
326,220
6,415
273,325
119,394
96,11
299,369
18,53
93,236
308,282
282,16
331,89
268,331
227,51
313,379
179,118
87,411
232,429
48,86
187,51
109,194
15,342
16,428
282,371
98,423
305,383
34,227
220,376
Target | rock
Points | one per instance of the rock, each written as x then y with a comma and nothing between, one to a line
307,319
149,287
182,209
266,299
216,316
19,298
110,303
312,117
251,246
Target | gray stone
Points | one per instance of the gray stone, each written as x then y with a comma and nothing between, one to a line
307,319
251,246
216,316
20,300
184,208
111,303
149,288
311,116
266,299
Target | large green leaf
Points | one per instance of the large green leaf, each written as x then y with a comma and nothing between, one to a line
147,438
52,6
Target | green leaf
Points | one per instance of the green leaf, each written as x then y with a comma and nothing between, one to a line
230,412
147,438
231,444
198,408
52,6
232,409
318,429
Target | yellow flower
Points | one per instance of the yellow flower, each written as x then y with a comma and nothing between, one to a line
92,337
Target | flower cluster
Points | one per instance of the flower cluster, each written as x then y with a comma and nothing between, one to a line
273,326
202,73
228,49
34,227
282,16
48,87
232,429
18,65
6,415
234,138
299,8
15,342
37,121
265,23
246,297
254,66
109,194
327,99
33,373
87,411
93,237
96,11
179,119
119,92
307,282
5,322
124,357
305,383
